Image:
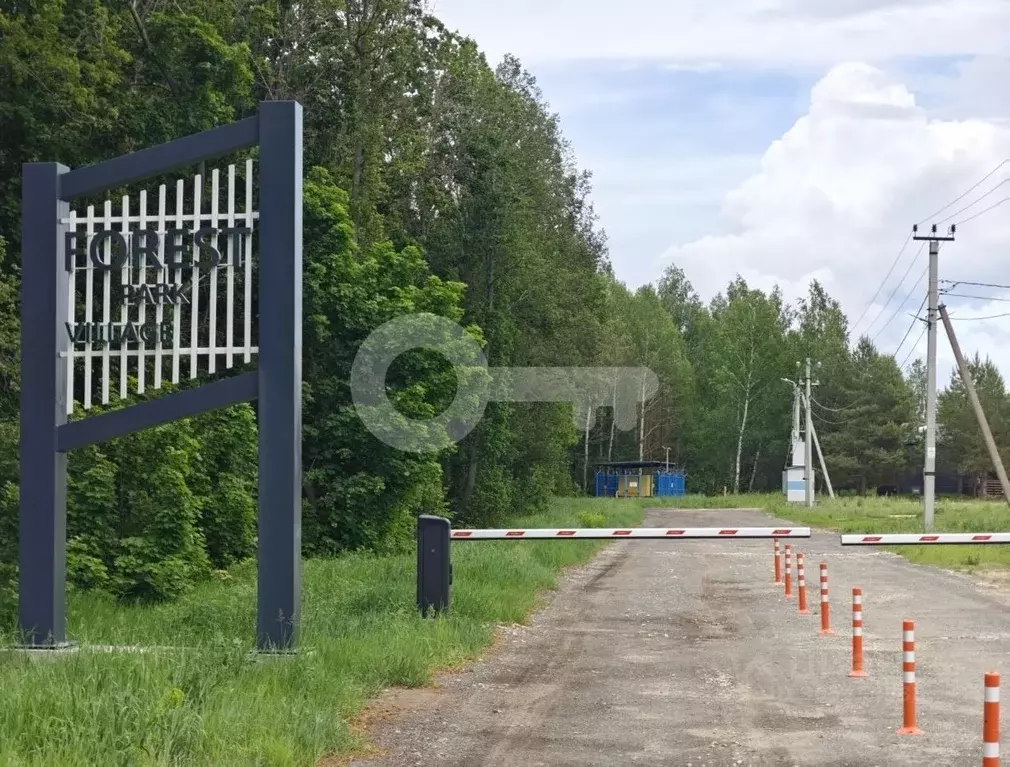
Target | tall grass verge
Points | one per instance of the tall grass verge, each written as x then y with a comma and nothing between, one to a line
851,514
192,696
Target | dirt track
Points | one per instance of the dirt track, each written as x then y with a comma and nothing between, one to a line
686,654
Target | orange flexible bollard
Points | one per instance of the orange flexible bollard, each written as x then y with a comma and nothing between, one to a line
857,633
909,726
825,615
778,562
990,721
789,571
801,583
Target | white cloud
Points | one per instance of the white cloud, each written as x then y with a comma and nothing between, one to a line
767,32
976,86
835,196
839,191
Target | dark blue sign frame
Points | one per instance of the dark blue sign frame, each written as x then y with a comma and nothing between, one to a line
46,435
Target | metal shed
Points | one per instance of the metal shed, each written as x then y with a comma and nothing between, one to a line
638,479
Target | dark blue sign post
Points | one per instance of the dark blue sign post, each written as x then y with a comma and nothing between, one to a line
46,340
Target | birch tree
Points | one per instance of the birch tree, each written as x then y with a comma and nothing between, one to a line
750,354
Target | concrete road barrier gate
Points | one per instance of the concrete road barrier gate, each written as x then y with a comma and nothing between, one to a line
116,255
435,536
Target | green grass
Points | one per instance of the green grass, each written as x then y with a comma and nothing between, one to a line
195,698
886,515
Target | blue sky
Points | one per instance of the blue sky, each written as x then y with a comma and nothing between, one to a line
665,145
783,140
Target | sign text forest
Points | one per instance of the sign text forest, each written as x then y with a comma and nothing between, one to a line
167,254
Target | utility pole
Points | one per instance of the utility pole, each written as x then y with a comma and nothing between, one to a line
796,415
794,472
929,467
809,452
969,386
820,456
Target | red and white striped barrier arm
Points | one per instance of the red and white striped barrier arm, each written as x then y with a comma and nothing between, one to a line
667,533
902,539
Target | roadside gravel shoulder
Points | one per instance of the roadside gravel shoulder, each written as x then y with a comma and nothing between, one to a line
686,653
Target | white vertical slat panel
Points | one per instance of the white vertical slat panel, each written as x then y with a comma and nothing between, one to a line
180,191
124,356
229,332
194,308
247,248
214,198
106,302
71,314
89,298
159,312
142,308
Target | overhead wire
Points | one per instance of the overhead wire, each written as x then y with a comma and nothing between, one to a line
921,246
912,350
955,283
819,417
971,319
900,306
837,409
986,210
973,203
910,326
966,192
908,239
978,298
883,282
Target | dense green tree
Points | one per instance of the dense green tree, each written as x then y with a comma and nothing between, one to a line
10,341
865,442
437,187
960,443
361,492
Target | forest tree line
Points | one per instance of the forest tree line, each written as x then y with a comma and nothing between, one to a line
434,183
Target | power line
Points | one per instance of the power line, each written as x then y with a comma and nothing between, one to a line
971,319
819,417
897,258
910,351
910,326
955,283
888,301
986,210
979,298
967,192
975,202
837,409
880,287
900,307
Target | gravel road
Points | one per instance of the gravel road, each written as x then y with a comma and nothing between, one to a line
687,654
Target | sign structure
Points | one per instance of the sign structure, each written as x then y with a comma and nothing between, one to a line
155,294
134,297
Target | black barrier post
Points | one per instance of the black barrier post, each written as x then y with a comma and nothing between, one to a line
43,486
280,377
434,566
